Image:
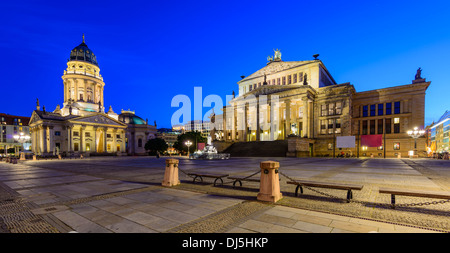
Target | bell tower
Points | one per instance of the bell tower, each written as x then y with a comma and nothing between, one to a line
83,84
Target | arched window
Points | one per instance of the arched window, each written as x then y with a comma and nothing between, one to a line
140,143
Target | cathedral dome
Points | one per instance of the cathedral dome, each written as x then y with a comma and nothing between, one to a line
129,117
83,53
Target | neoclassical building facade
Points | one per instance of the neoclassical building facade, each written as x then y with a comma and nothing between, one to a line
81,126
300,102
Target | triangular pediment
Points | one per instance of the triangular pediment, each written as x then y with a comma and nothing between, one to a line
275,67
34,118
98,119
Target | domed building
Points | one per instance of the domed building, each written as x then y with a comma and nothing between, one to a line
138,132
81,126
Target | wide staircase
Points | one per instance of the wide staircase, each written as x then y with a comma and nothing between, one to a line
258,149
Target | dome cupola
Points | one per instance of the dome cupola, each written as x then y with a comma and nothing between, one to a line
83,53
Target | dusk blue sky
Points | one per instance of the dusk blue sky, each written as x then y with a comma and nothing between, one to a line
150,51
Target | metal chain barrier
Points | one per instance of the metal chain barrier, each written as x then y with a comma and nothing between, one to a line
309,188
366,202
187,174
336,197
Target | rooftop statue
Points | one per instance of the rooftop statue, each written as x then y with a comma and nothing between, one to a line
277,55
419,73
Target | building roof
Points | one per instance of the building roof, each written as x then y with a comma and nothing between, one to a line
83,53
9,119
131,118
276,66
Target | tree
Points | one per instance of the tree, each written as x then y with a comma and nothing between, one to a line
194,137
156,145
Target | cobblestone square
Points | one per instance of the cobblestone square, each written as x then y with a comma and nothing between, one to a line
124,195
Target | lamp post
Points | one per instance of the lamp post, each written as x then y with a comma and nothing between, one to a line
21,137
416,133
188,144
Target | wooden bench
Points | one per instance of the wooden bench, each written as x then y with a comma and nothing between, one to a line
414,193
202,175
243,178
348,187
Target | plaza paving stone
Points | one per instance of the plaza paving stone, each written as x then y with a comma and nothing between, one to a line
124,195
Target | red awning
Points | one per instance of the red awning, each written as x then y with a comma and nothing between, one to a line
375,140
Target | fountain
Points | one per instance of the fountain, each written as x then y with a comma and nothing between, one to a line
209,153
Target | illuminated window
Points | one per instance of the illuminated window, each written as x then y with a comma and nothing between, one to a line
323,127
338,126
396,145
109,147
396,125
323,110
331,109
330,126
88,147
338,108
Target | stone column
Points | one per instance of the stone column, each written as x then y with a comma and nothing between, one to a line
272,120
95,139
69,139
305,117
269,189
82,129
288,118
245,122
171,173
44,139
258,138
76,90
105,144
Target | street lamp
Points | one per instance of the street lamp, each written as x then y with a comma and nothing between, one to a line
21,137
188,144
416,133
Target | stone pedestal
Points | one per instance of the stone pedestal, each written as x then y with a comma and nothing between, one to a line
34,157
22,156
269,189
171,174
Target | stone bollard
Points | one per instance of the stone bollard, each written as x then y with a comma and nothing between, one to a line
22,156
171,174
269,189
34,157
